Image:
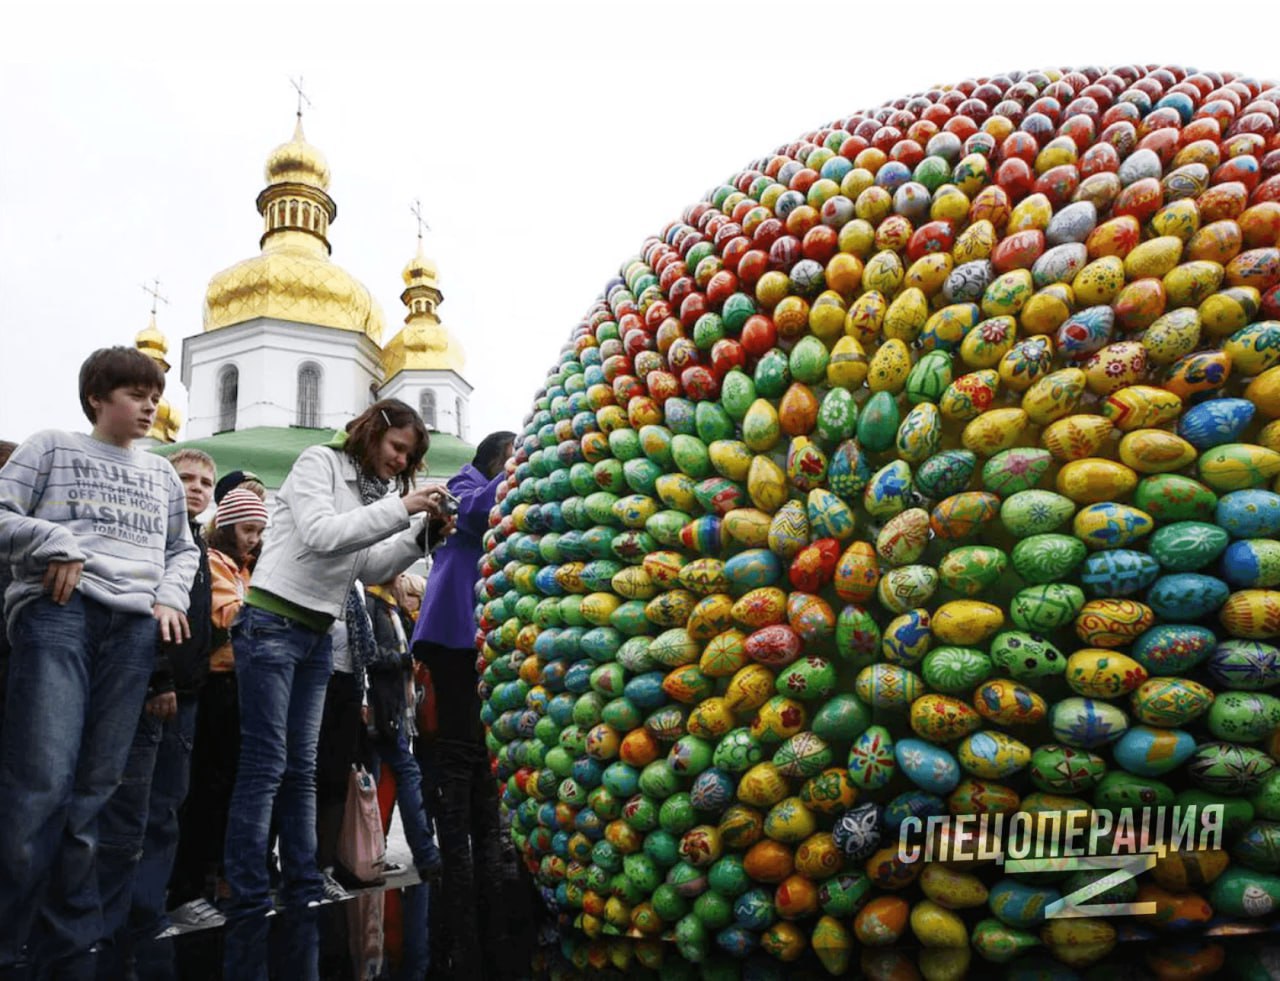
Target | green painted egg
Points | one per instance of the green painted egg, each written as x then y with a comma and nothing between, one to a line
956,669
1063,770
945,473
1243,717
773,374
1259,847
907,587
1048,558
888,686
857,635
1025,656
1170,702
809,679
1016,469
737,751
1185,546
737,392
1245,893
1172,497
878,422
1087,723
972,569
802,756
1045,608
1035,512
712,421
1226,768
1119,789
808,360
929,378
837,417
841,719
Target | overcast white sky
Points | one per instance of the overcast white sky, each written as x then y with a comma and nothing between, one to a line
546,141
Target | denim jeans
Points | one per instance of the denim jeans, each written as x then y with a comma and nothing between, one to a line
415,816
139,826
282,669
77,678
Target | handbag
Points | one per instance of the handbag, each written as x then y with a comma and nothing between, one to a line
362,846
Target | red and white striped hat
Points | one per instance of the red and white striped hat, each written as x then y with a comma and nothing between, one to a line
240,504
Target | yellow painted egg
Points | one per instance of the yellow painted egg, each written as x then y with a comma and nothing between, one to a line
883,272
1204,371
710,718
952,889
778,719
818,858
966,623
1269,436
1099,673
970,395
1007,702
789,530
762,786
1155,451
1033,212
1098,282
1264,393
1077,437
1252,614
929,273
1111,525
767,484
943,719
994,431
748,527
906,315
1093,479
731,458
889,368
1229,310
761,607
724,654
1180,219
975,242
1255,348
1026,362
634,582
670,609
1174,335
750,688
1112,622
1115,237
1218,241
1141,407
1238,466
1054,396
704,577
1191,283
1116,366
1047,309
920,435
710,616
1153,258
1139,304
847,367
988,342
676,492
664,568
907,587
992,755
935,926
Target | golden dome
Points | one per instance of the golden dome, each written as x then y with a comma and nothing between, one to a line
420,269
152,343
167,422
289,281
297,162
293,278
424,343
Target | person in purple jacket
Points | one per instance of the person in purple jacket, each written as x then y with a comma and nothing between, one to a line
445,640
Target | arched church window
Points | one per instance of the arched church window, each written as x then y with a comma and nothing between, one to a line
306,214
309,395
427,407
293,212
228,396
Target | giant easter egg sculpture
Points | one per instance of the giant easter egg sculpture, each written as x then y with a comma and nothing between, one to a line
929,465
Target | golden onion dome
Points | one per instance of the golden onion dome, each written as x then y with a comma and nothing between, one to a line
151,342
420,269
297,162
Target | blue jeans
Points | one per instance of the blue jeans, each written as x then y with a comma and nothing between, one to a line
77,678
139,826
282,669
413,812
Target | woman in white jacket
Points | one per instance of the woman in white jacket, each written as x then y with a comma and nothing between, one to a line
334,521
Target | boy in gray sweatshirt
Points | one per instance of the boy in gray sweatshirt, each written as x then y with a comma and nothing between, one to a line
95,535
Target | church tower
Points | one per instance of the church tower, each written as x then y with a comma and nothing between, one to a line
422,365
290,338
168,420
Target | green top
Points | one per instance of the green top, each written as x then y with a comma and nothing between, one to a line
314,621
269,451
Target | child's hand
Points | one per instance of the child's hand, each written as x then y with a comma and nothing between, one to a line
61,579
173,624
162,706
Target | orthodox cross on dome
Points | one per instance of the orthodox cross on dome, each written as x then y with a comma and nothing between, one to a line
154,292
415,209
302,95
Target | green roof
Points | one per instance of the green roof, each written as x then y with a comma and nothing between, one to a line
269,451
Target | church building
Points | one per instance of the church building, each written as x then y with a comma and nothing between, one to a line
292,345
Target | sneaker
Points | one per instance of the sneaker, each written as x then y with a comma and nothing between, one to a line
198,913
333,890
392,868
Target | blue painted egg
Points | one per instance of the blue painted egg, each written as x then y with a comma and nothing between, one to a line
1187,596
888,491
848,471
912,803
1085,332
929,767
645,690
1019,905
751,569
1146,751
1173,648
1245,665
1215,422
712,791
1250,513
1253,562
1118,572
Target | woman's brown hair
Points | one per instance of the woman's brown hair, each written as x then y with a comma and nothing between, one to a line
365,432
